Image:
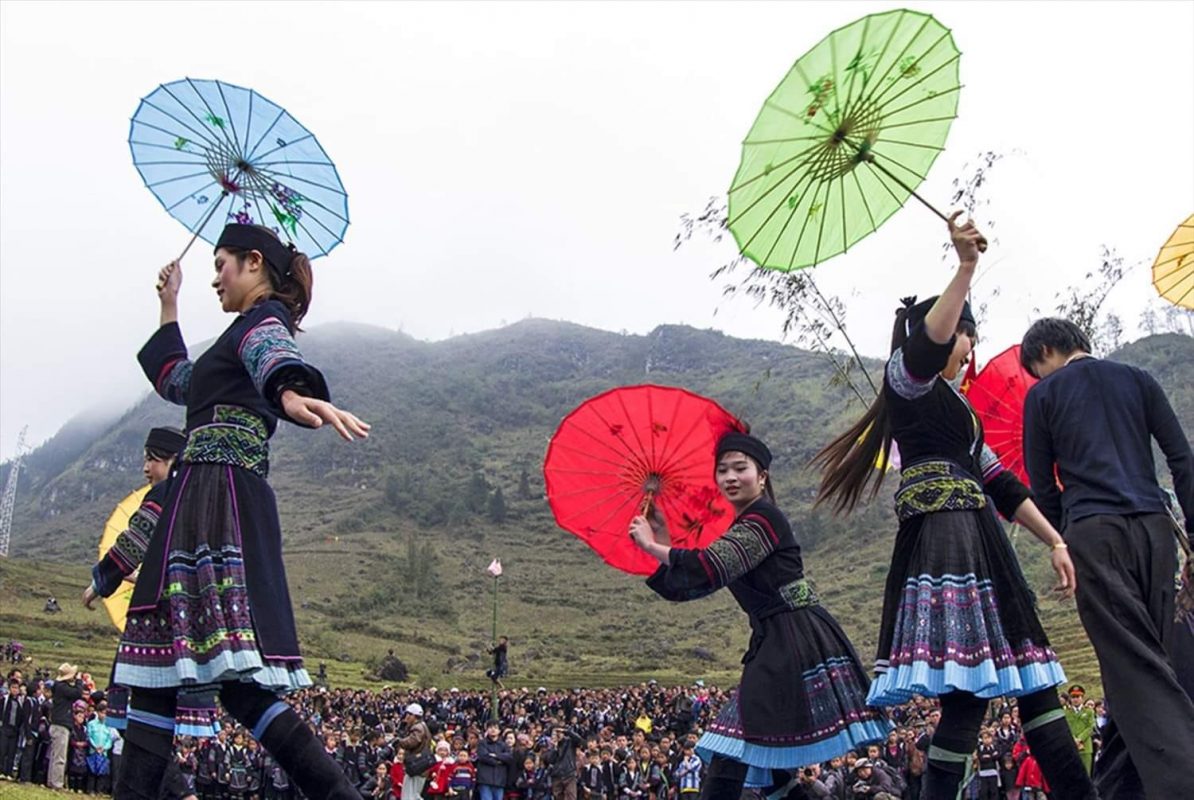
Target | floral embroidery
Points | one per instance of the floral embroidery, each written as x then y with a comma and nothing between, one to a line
266,347
175,382
741,549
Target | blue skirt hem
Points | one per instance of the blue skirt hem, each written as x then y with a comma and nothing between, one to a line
762,759
898,685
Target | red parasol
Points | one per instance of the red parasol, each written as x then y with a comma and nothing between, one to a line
997,395
621,451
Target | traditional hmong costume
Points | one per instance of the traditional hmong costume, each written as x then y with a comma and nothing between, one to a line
211,604
125,555
802,697
211,611
959,619
957,611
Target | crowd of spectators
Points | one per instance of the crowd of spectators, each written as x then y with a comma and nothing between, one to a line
627,743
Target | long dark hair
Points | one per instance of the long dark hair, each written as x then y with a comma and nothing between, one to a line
292,289
848,462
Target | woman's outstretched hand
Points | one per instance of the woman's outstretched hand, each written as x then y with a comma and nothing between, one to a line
89,597
968,242
314,413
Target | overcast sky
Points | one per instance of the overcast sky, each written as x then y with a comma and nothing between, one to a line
505,160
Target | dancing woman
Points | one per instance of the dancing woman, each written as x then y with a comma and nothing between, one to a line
959,620
802,697
210,612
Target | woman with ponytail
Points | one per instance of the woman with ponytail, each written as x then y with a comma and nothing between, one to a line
210,613
959,619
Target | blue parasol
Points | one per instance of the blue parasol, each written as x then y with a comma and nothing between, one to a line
213,153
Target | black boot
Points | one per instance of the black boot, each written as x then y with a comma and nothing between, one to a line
724,779
141,772
299,753
1053,748
942,780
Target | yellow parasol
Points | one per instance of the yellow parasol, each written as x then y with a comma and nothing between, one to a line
117,605
1173,271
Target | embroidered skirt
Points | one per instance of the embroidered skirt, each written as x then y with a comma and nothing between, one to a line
211,603
958,614
802,698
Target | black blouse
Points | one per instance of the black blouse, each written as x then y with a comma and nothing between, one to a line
931,420
249,366
758,558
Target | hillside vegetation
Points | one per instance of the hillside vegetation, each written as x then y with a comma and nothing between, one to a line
387,539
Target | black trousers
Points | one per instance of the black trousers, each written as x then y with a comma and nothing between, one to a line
9,736
1125,567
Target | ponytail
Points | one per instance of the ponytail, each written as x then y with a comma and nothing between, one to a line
850,463
294,289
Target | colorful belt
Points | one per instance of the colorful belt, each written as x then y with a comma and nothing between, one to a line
236,437
799,594
932,486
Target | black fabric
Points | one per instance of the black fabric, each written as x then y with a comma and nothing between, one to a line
141,772
745,443
1125,568
961,717
1008,493
165,440
219,377
772,706
302,757
1053,747
246,701
250,237
1096,420
724,779
918,311
200,511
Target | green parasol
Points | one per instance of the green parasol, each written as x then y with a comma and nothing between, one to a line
844,139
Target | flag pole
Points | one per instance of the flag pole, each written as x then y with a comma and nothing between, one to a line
494,696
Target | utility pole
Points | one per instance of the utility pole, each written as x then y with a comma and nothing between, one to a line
10,494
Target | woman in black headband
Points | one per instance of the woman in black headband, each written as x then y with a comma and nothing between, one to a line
802,697
210,613
959,620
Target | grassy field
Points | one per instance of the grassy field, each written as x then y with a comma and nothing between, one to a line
572,621
19,791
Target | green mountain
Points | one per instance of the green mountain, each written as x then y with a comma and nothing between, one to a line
387,539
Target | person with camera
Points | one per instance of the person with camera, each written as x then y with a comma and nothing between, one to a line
561,759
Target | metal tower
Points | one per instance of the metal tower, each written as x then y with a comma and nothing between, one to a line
10,494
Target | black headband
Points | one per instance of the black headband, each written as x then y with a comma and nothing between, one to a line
745,443
250,237
165,440
915,312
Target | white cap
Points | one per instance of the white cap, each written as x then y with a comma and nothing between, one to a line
415,708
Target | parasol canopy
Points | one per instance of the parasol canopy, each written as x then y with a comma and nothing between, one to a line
213,153
117,605
1173,271
997,397
630,448
844,139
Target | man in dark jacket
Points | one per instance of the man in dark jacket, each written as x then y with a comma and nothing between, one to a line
494,762
1090,425
14,712
67,690
562,758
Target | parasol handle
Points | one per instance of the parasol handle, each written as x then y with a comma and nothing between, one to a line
870,159
203,224
646,504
